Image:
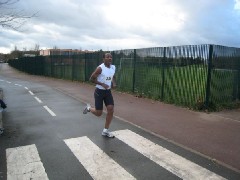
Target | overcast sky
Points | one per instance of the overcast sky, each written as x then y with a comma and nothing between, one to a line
124,24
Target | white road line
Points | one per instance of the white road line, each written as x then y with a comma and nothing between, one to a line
174,163
24,163
50,111
38,99
1,80
8,82
31,92
18,85
26,88
98,164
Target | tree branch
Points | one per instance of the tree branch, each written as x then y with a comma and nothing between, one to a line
12,20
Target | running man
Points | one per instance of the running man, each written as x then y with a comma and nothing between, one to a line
104,78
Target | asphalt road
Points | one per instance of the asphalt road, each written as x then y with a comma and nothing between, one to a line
48,124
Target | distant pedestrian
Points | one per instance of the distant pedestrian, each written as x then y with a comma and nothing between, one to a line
104,78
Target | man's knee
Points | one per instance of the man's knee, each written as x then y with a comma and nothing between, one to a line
110,108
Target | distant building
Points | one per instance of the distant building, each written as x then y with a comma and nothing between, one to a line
64,52
29,55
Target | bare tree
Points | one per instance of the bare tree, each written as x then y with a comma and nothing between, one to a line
36,48
15,48
10,17
55,47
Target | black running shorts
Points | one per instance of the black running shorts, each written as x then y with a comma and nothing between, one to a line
101,96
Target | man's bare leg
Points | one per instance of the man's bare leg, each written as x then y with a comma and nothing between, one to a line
95,112
110,110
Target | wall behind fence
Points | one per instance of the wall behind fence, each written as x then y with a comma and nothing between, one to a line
194,76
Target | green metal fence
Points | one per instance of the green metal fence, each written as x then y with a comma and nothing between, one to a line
225,75
195,76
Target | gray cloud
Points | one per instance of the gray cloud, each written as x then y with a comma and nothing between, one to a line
95,24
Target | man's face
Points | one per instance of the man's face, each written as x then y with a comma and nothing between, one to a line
108,59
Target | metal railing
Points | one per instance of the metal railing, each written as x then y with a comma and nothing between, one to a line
194,76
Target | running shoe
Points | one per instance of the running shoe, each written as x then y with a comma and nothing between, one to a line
108,134
86,109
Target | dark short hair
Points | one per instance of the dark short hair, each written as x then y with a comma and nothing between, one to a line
108,53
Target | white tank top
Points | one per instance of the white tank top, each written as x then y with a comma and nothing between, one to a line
106,76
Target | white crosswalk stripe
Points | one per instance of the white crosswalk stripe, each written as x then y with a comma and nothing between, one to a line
24,163
97,163
174,163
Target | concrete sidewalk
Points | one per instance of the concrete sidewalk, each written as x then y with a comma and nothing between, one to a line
215,135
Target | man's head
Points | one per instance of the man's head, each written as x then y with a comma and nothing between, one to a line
107,59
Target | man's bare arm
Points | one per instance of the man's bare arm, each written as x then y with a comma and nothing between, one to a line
94,76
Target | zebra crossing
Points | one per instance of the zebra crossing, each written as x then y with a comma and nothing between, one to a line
174,163
24,162
97,163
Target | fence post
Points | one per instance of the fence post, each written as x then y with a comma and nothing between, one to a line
238,80
163,73
209,74
62,66
73,62
134,69
85,66
113,57
44,65
51,65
